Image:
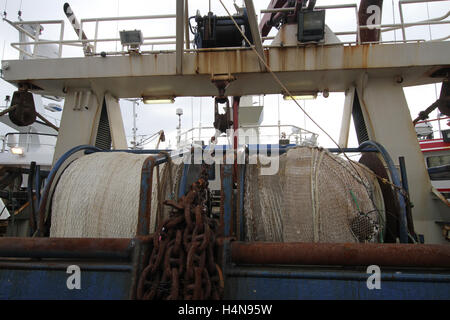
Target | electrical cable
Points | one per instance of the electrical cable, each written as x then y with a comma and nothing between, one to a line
435,86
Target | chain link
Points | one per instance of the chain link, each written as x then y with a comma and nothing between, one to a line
182,263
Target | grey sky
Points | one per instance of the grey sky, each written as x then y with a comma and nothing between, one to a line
153,118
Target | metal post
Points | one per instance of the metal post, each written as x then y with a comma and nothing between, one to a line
346,117
236,101
61,38
36,39
252,20
409,219
96,36
186,24
134,124
180,36
227,219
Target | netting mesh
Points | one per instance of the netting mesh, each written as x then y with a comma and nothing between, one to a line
315,197
98,196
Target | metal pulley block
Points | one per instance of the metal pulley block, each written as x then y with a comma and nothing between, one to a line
25,112
222,122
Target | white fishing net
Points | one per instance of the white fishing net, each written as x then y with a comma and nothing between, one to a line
315,197
98,196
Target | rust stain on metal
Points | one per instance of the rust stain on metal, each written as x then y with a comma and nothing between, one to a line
347,254
66,247
282,56
267,56
365,56
197,63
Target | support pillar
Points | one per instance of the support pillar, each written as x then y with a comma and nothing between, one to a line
346,117
388,121
81,117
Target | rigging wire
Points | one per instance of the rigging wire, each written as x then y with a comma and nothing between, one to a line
435,85
19,13
284,87
3,57
287,92
4,9
3,51
393,19
117,22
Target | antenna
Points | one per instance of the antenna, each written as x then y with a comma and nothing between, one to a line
4,10
179,113
3,51
19,13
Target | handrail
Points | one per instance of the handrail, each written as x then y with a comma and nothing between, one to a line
338,6
17,26
401,2
187,137
171,39
391,27
109,19
4,139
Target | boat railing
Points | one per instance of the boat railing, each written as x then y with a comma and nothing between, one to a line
250,134
181,35
27,143
403,25
426,135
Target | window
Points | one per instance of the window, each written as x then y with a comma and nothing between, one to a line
437,161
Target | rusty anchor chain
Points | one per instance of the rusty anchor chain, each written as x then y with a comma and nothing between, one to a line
182,263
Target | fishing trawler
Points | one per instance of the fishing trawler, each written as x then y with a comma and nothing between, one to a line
437,155
224,214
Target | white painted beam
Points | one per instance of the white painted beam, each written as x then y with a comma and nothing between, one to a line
119,140
299,68
346,117
79,121
252,20
180,36
388,122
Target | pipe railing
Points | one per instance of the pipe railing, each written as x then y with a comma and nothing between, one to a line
171,39
18,25
402,2
386,27
297,134
128,18
27,144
